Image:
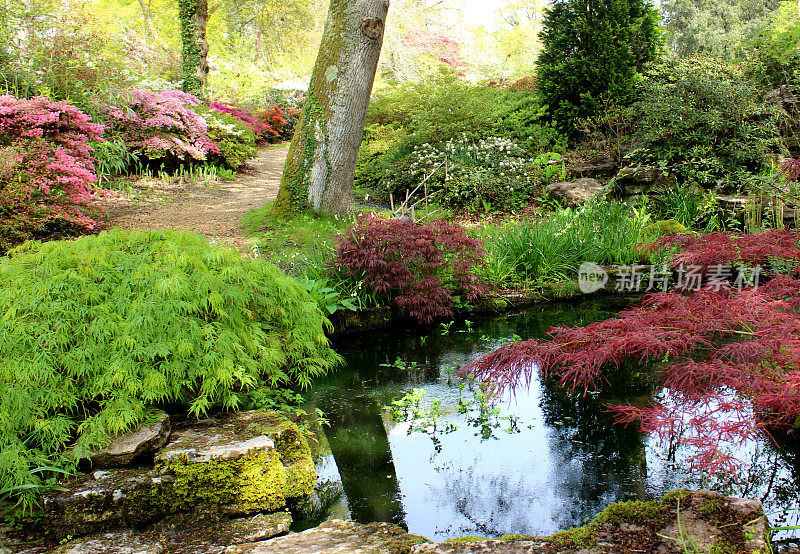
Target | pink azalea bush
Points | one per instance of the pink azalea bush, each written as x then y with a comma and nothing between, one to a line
46,168
260,128
161,125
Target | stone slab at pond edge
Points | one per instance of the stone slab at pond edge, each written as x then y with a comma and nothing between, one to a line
184,534
682,521
235,464
337,536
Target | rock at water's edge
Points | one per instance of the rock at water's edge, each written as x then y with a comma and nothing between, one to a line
107,499
242,463
119,542
337,537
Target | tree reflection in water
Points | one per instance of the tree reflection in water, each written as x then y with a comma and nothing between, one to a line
566,463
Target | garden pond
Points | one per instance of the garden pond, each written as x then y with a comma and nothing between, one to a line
409,442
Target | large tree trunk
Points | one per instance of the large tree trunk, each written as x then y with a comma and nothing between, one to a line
193,15
321,163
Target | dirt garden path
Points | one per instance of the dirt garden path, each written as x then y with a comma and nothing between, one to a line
213,211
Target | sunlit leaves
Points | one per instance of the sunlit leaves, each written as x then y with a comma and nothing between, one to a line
105,327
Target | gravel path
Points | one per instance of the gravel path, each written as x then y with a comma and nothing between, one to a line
213,211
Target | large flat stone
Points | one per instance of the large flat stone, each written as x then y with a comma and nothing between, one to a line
205,446
206,533
128,447
209,533
576,193
337,537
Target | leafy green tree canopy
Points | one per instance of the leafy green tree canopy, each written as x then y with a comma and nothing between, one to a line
593,51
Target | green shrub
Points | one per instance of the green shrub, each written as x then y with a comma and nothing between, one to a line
236,141
379,148
440,110
702,120
95,332
404,119
592,53
523,121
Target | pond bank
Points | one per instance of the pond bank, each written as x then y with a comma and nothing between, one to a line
682,521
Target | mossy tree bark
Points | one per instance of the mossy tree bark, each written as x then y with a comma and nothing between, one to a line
193,15
321,163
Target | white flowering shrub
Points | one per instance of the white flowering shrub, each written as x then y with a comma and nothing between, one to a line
473,175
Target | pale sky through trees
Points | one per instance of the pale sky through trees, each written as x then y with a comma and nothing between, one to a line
476,13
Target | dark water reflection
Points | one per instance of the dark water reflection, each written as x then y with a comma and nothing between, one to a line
566,463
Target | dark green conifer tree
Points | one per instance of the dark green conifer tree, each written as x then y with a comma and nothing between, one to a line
593,51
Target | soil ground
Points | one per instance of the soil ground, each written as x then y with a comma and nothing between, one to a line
212,210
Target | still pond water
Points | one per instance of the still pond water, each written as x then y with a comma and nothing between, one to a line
544,461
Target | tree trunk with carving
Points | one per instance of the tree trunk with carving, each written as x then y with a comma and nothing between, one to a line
193,16
321,163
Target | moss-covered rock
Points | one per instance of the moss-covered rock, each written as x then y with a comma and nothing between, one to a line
197,533
681,521
126,448
666,227
241,463
106,500
236,464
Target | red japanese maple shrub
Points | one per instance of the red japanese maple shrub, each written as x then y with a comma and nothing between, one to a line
46,169
418,267
728,359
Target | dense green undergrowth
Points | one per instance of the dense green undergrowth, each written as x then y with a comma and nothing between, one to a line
96,332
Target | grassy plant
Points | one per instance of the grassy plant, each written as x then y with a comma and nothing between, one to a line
554,247
112,158
691,209
304,247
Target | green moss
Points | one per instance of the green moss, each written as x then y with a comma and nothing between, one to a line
634,511
711,507
466,539
255,482
404,543
294,453
654,513
667,227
